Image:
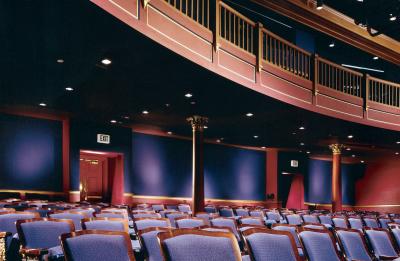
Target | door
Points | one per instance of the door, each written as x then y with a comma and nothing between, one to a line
92,172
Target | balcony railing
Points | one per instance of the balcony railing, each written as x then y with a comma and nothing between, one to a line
382,91
272,49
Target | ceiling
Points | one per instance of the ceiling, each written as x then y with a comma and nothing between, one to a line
145,76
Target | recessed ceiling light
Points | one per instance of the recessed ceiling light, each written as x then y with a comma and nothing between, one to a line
392,17
218,140
293,133
263,147
348,149
125,117
308,152
167,105
106,61
113,121
205,127
302,144
302,128
249,114
397,153
42,104
360,1
375,58
60,60
397,142
353,156
255,136
361,161
70,89
331,45
320,4
188,95
193,102
145,112
169,133
350,136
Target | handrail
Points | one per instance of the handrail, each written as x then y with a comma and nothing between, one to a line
382,91
284,54
198,10
235,27
337,77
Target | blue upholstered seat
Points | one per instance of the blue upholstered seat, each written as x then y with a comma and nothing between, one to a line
340,222
225,222
105,247
252,221
318,246
270,247
384,222
355,223
325,219
226,212
292,230
205,217
201,248
151,246
353,245
210,209
189,223
75,217
310,219
88,212
371,222
274,216
151,222
314,226
107,225
185,208
241,212
173,215
396,235
158,207
7,221
146,215
381,243
257,213
111,215
294,219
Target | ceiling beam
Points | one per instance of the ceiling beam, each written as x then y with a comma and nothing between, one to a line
336,25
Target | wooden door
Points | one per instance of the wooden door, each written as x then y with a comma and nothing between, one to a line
92,173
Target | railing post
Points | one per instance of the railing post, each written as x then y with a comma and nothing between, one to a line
366,94
217,25
260,46
316,76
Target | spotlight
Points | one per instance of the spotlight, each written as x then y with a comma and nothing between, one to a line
145,112
70,89
255,136
392,17
320,4
350,136
331,45
188,95
375,58
42,104
106,61
169,133
113,121
249,114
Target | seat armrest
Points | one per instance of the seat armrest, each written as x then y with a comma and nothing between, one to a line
387,257
34,253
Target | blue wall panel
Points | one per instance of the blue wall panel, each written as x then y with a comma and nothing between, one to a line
30,153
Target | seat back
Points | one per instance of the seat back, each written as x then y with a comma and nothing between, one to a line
189,222
87,212
75,216
381,242
257,213
142,223
274,216
226,212
97,245
106,224
185,208
355,223
384,222
210,209
43,232
205,216
242,212
310,219
353,244
172,216
149,242
157,207
146,215
198,245
371,222
251,221
294,219
270,245
396,235
319,245
340,222
289,228
224,222
325,219
7,220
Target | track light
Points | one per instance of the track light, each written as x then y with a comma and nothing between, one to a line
320,4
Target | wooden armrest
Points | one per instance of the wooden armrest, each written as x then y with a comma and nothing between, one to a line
387,257
33,252
5,234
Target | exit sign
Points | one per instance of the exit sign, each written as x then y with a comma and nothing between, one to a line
103,138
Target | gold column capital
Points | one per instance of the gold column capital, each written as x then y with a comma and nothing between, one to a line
197,122
336,148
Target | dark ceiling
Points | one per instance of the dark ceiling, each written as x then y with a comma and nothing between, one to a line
145,76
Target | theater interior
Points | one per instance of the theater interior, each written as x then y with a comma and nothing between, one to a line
200,130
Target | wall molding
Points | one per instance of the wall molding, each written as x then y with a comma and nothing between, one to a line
42,192
354,206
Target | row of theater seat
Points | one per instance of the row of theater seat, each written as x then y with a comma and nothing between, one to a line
149,226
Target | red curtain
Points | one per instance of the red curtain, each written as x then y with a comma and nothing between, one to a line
296,193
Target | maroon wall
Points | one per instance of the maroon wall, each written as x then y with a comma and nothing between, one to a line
379,189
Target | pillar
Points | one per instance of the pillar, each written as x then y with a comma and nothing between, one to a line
197,123
336,177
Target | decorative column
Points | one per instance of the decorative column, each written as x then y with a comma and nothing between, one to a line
197,123
336,177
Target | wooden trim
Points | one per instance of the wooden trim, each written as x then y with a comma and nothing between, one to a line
251,231
238,14
42,192
189,199
67,252
179,232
